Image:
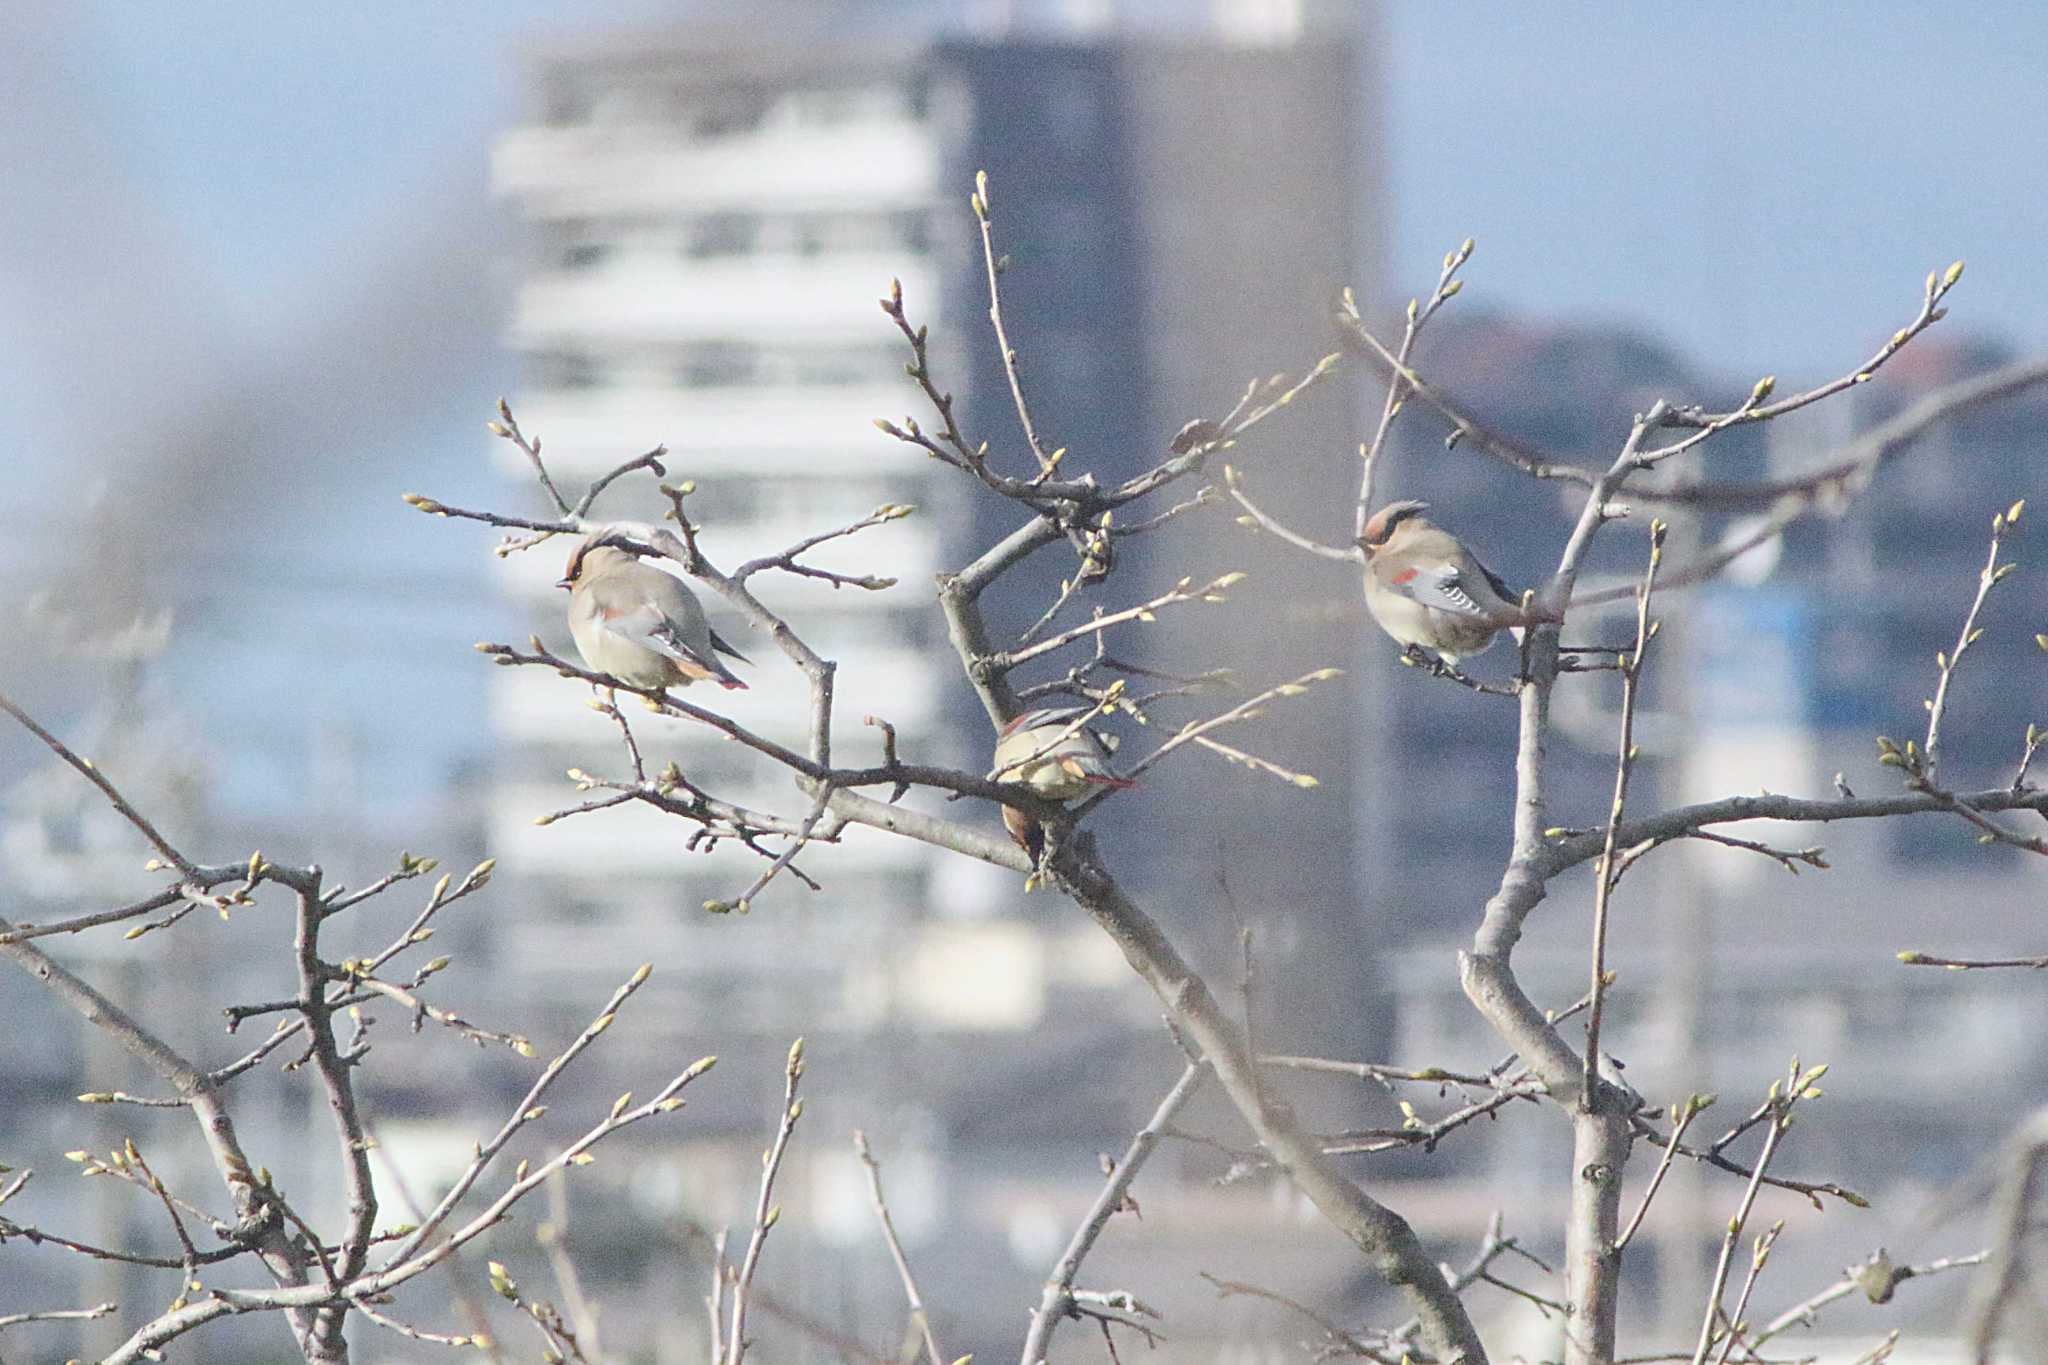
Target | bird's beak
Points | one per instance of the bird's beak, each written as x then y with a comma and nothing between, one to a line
565,584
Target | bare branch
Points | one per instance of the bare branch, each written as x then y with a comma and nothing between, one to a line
1233,483
1733,1235
525,1112
1047,462
766,1213
1197,731
1712,1156
507,428
1947,661
1913,959
1571,849
1336,1339
1682,1117
1447,287
786,560
87,769
2019,1196
1184,591
58,1315
651,461
1875,1279
918,1316
784,860
1058,1300
1931,312
1606,872
1385,1238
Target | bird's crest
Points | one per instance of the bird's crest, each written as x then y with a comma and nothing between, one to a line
1380,528
603,536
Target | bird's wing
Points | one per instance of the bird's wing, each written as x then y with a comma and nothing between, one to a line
1042,715
649,627
1494,581
1449,586
718,643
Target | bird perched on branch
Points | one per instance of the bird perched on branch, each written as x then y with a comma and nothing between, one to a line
1049,751
640,625
1431,593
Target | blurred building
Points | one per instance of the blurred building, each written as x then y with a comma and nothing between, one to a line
710,215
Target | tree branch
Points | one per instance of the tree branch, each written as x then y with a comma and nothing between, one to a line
1057,1300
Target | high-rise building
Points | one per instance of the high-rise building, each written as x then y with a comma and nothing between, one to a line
710,214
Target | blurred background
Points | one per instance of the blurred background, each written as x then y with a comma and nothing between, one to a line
262,271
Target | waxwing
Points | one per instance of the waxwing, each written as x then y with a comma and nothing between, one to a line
1047,752
638,624
1431,593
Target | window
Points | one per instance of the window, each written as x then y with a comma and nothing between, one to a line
857,232
727,114
730,364
823,368
564,102
835,105
566,370
574,244
723,234
914,231
718,364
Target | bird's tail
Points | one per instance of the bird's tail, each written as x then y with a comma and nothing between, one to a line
1026,831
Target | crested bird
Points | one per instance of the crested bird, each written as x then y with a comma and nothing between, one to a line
1431,593
638,624
1048,752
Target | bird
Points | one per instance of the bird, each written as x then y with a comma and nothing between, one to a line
638,624
1054,756
1431,593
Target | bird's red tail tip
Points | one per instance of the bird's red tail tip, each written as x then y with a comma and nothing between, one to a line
1118,783
732,684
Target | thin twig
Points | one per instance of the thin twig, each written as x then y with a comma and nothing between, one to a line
1760,1254
1780,1107
1183,591
1875,1279
521,1116
1684,1115
2014,1219
98,1310
1246,710
1948,660
1058,1299
91,773
766,1213
1606,872
1338,1338
1913,959
1047,463
918,1315
508,429
1233,484
1419,314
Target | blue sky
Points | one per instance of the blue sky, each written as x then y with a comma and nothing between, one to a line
288,204
1763,185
